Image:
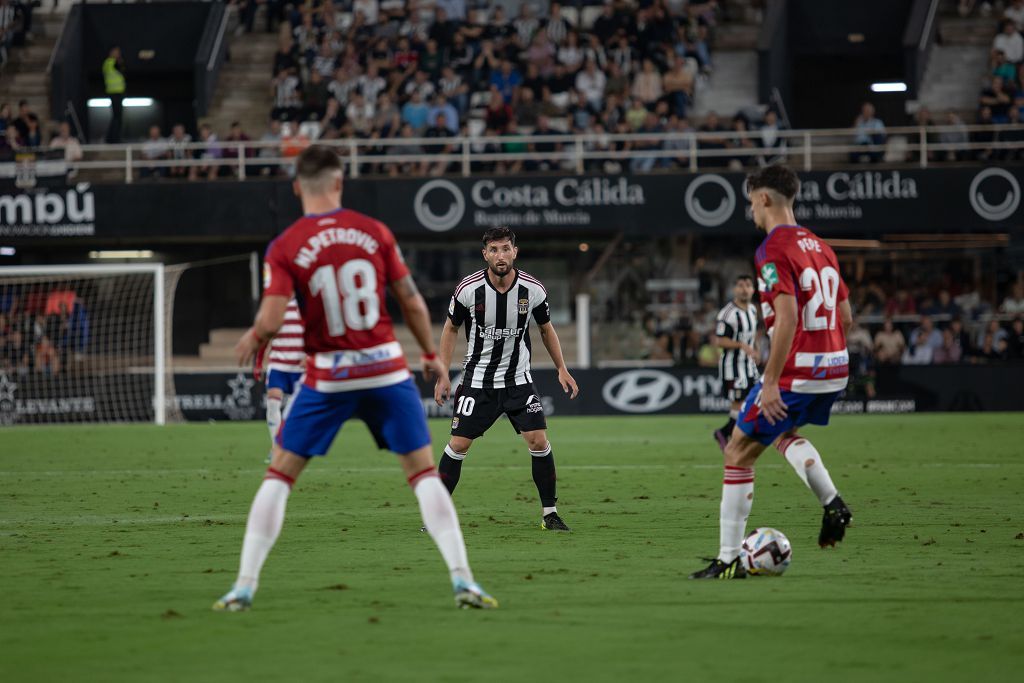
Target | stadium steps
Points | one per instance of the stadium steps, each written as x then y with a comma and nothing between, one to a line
732,85
243,88
24,76
979,31
953,77
218,352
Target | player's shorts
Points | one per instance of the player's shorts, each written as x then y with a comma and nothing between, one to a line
393,413
477,409
735,389
803,409
285,381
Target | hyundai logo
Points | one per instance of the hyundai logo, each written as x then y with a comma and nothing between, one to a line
642,391
1005,208
452,215
710,217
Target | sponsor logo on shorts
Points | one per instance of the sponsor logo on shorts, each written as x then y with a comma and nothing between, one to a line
534,405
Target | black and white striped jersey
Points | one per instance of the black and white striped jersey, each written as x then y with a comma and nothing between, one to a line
498,328
738,324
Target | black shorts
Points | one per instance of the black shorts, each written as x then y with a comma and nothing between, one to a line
477,409
736,389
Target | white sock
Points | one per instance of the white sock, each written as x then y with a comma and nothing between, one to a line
442,522
737,499
734,414
261,531
274,409
547,511
805,460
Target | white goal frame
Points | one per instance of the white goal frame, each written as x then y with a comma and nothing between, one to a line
159,313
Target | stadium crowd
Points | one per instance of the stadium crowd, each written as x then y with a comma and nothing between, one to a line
40,331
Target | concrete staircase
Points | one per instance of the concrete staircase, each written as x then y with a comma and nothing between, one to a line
958,65
243,88
732,85
24,76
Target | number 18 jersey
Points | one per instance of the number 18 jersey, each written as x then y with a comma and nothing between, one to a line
338,266
793,260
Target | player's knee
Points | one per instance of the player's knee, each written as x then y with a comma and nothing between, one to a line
537,441
460,445
809,463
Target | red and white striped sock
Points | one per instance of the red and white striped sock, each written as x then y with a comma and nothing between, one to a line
805,460
442,522
266,516
737,499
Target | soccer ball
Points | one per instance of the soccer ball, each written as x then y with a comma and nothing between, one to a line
766,552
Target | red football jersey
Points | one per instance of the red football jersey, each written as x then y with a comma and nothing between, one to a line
793,260
338,266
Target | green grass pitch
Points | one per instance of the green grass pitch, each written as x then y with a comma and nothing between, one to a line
114,542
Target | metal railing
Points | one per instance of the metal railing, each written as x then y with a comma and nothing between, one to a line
807,149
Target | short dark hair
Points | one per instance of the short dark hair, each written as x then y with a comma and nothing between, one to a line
777,177
315,160
497,234
745,277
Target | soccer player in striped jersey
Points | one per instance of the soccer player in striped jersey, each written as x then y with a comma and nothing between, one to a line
806,311
285,363
496,305
339,265
735,333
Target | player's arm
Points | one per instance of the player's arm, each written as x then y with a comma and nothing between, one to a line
268,321
554,347
417,317
845,316
783,332
443,386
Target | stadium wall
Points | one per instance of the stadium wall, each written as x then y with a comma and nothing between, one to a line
203,396
842,203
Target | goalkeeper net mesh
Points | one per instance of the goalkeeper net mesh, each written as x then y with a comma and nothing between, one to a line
86,344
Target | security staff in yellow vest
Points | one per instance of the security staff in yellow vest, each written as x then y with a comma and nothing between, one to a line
113,84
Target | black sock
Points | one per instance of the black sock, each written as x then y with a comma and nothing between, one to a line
544,477
727,429
450,470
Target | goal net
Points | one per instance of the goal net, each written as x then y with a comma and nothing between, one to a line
85,344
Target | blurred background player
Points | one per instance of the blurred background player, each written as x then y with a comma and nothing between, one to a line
338,263
807,313
735,334
496,305
285,364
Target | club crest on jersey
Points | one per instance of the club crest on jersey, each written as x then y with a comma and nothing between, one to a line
769,275
524,305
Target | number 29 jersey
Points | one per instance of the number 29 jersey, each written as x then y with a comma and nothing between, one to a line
793,260
338,266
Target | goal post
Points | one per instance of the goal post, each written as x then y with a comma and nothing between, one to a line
85,343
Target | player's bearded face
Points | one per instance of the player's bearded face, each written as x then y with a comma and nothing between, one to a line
500,256
743,291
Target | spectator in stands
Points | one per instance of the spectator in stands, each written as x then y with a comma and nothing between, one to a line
439,131
1015,13
958,136
998,97
1003,68
22,122
499,113
949,351
570,54
33,138
271,147
741,141
528,110
926,334
178,143
943,305
715,140
237,135
1013,136
525,25
211,152
65,140
769,138
406,149
1015,341
591,82
114,86
506,80
360,113
680,142
985,136
677,84
6,117
1013,304
1009,41
889,344
450,116
155,148
995,330
645,163
9,144
991,348
314,97
415,112
870,131
8,28
647,84
286,90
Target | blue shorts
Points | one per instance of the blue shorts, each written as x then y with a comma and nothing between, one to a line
803,409
393,413
285,381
